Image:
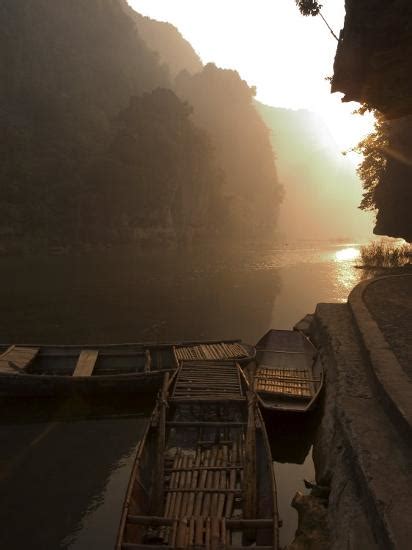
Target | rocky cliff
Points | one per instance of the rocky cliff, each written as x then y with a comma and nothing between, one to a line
373,59
373,67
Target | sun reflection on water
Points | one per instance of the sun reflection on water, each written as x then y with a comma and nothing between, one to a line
347,254
346,276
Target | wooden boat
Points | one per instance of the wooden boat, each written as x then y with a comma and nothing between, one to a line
287,372
203,473
61,370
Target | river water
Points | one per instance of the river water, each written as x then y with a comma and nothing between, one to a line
64,466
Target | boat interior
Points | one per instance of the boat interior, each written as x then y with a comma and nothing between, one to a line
287,373
112,360
213,485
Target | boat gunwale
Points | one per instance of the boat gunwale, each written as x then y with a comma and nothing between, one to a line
136,464
153,344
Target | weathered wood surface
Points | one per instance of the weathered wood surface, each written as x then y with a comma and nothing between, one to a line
161,442
289,374
208,467
15,359
208,381
212,352
296,383
86,363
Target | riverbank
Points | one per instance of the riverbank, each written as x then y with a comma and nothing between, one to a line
362,449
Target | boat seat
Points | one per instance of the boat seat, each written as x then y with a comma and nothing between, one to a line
16,359
86,363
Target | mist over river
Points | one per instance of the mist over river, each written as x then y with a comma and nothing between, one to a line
64,466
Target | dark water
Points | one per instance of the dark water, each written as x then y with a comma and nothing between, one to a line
64,466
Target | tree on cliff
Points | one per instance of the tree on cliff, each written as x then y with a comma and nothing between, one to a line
373,148
386,173
313,8
309,7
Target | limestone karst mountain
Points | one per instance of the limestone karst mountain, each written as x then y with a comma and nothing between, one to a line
92,153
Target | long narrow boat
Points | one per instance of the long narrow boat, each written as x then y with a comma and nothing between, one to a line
64,370
287,372
203,474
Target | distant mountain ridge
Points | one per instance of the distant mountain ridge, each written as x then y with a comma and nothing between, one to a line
322,190
165,39
97,149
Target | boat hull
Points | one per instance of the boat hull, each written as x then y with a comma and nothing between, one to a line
65,386
54,371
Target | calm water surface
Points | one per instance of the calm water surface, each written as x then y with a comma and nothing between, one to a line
64,466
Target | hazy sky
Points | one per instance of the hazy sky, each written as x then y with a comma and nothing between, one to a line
285,55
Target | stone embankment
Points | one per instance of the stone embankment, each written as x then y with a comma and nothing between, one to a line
362,450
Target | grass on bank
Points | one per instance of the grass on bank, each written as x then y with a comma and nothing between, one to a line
385,254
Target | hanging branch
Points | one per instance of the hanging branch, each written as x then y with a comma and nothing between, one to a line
312,7
327,24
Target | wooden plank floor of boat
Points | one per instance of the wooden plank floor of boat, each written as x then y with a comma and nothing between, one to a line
204,484
202,489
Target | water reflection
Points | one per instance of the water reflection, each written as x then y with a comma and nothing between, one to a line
291,438
60,473
126,296
347,276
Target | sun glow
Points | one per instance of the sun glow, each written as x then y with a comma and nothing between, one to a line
287,57
347,254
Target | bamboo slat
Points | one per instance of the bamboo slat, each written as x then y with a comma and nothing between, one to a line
232,482
209,352
195,477
207,533
181,533
202,482
209,484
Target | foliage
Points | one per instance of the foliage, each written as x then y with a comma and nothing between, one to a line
385,254
309,7
372,168
224,107
164,172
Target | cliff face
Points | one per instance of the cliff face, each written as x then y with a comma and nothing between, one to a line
393,195
373,59
373,66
